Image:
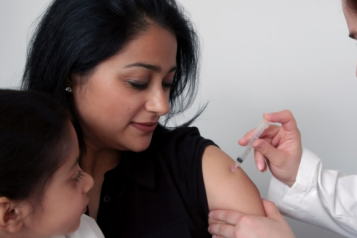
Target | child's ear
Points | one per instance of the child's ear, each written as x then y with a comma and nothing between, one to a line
11,215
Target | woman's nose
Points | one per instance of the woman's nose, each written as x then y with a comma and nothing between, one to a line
158,102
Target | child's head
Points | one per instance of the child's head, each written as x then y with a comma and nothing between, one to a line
42,189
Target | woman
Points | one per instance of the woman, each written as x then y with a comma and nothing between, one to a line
120,65
302,189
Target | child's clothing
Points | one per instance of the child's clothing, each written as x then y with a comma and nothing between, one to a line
87,229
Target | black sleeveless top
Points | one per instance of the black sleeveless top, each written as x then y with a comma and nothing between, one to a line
158,192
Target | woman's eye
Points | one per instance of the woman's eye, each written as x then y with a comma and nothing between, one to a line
167,85
79,176
138,85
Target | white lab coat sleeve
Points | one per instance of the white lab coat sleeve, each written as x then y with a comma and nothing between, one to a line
321,197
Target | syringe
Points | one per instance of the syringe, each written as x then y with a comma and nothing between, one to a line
261,127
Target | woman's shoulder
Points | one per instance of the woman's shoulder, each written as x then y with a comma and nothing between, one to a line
170,135
183,143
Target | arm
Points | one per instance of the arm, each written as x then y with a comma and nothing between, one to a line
226,189
321,197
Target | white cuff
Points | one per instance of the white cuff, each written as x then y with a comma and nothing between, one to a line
289,198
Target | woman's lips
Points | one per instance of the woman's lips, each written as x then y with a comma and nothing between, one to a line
145,126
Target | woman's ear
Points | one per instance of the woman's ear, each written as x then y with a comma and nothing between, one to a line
12,215
71,79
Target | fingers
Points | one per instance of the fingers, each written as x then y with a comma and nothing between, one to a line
226,229
241,225
227,216
245,139
265,149
222,230
271,210
285,117
270,132
260,161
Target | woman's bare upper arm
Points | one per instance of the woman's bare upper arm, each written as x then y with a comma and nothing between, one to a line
226,189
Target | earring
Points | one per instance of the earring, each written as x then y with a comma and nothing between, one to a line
68,89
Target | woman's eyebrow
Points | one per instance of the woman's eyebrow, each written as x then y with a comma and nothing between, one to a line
149,66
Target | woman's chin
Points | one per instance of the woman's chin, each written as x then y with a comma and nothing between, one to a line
135,144
139,148
140,145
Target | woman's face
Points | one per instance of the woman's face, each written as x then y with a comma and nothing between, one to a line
120,103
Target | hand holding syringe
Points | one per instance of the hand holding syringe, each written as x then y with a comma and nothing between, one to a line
261,127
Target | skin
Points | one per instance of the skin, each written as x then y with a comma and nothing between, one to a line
63,203
351,20
224,188
118,101
281,148
278,143
129,88
251,226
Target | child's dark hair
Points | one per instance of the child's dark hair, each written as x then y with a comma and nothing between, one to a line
33,130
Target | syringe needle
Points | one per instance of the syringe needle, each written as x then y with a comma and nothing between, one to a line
236,165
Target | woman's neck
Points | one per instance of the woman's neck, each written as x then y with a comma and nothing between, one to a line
96,161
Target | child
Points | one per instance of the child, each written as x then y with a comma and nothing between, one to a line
43,191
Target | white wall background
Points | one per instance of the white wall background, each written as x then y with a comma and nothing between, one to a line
257,56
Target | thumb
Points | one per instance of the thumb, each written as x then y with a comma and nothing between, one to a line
273,154
271,210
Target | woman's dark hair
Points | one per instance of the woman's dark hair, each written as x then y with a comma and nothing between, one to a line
351,4
74,36
33,130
